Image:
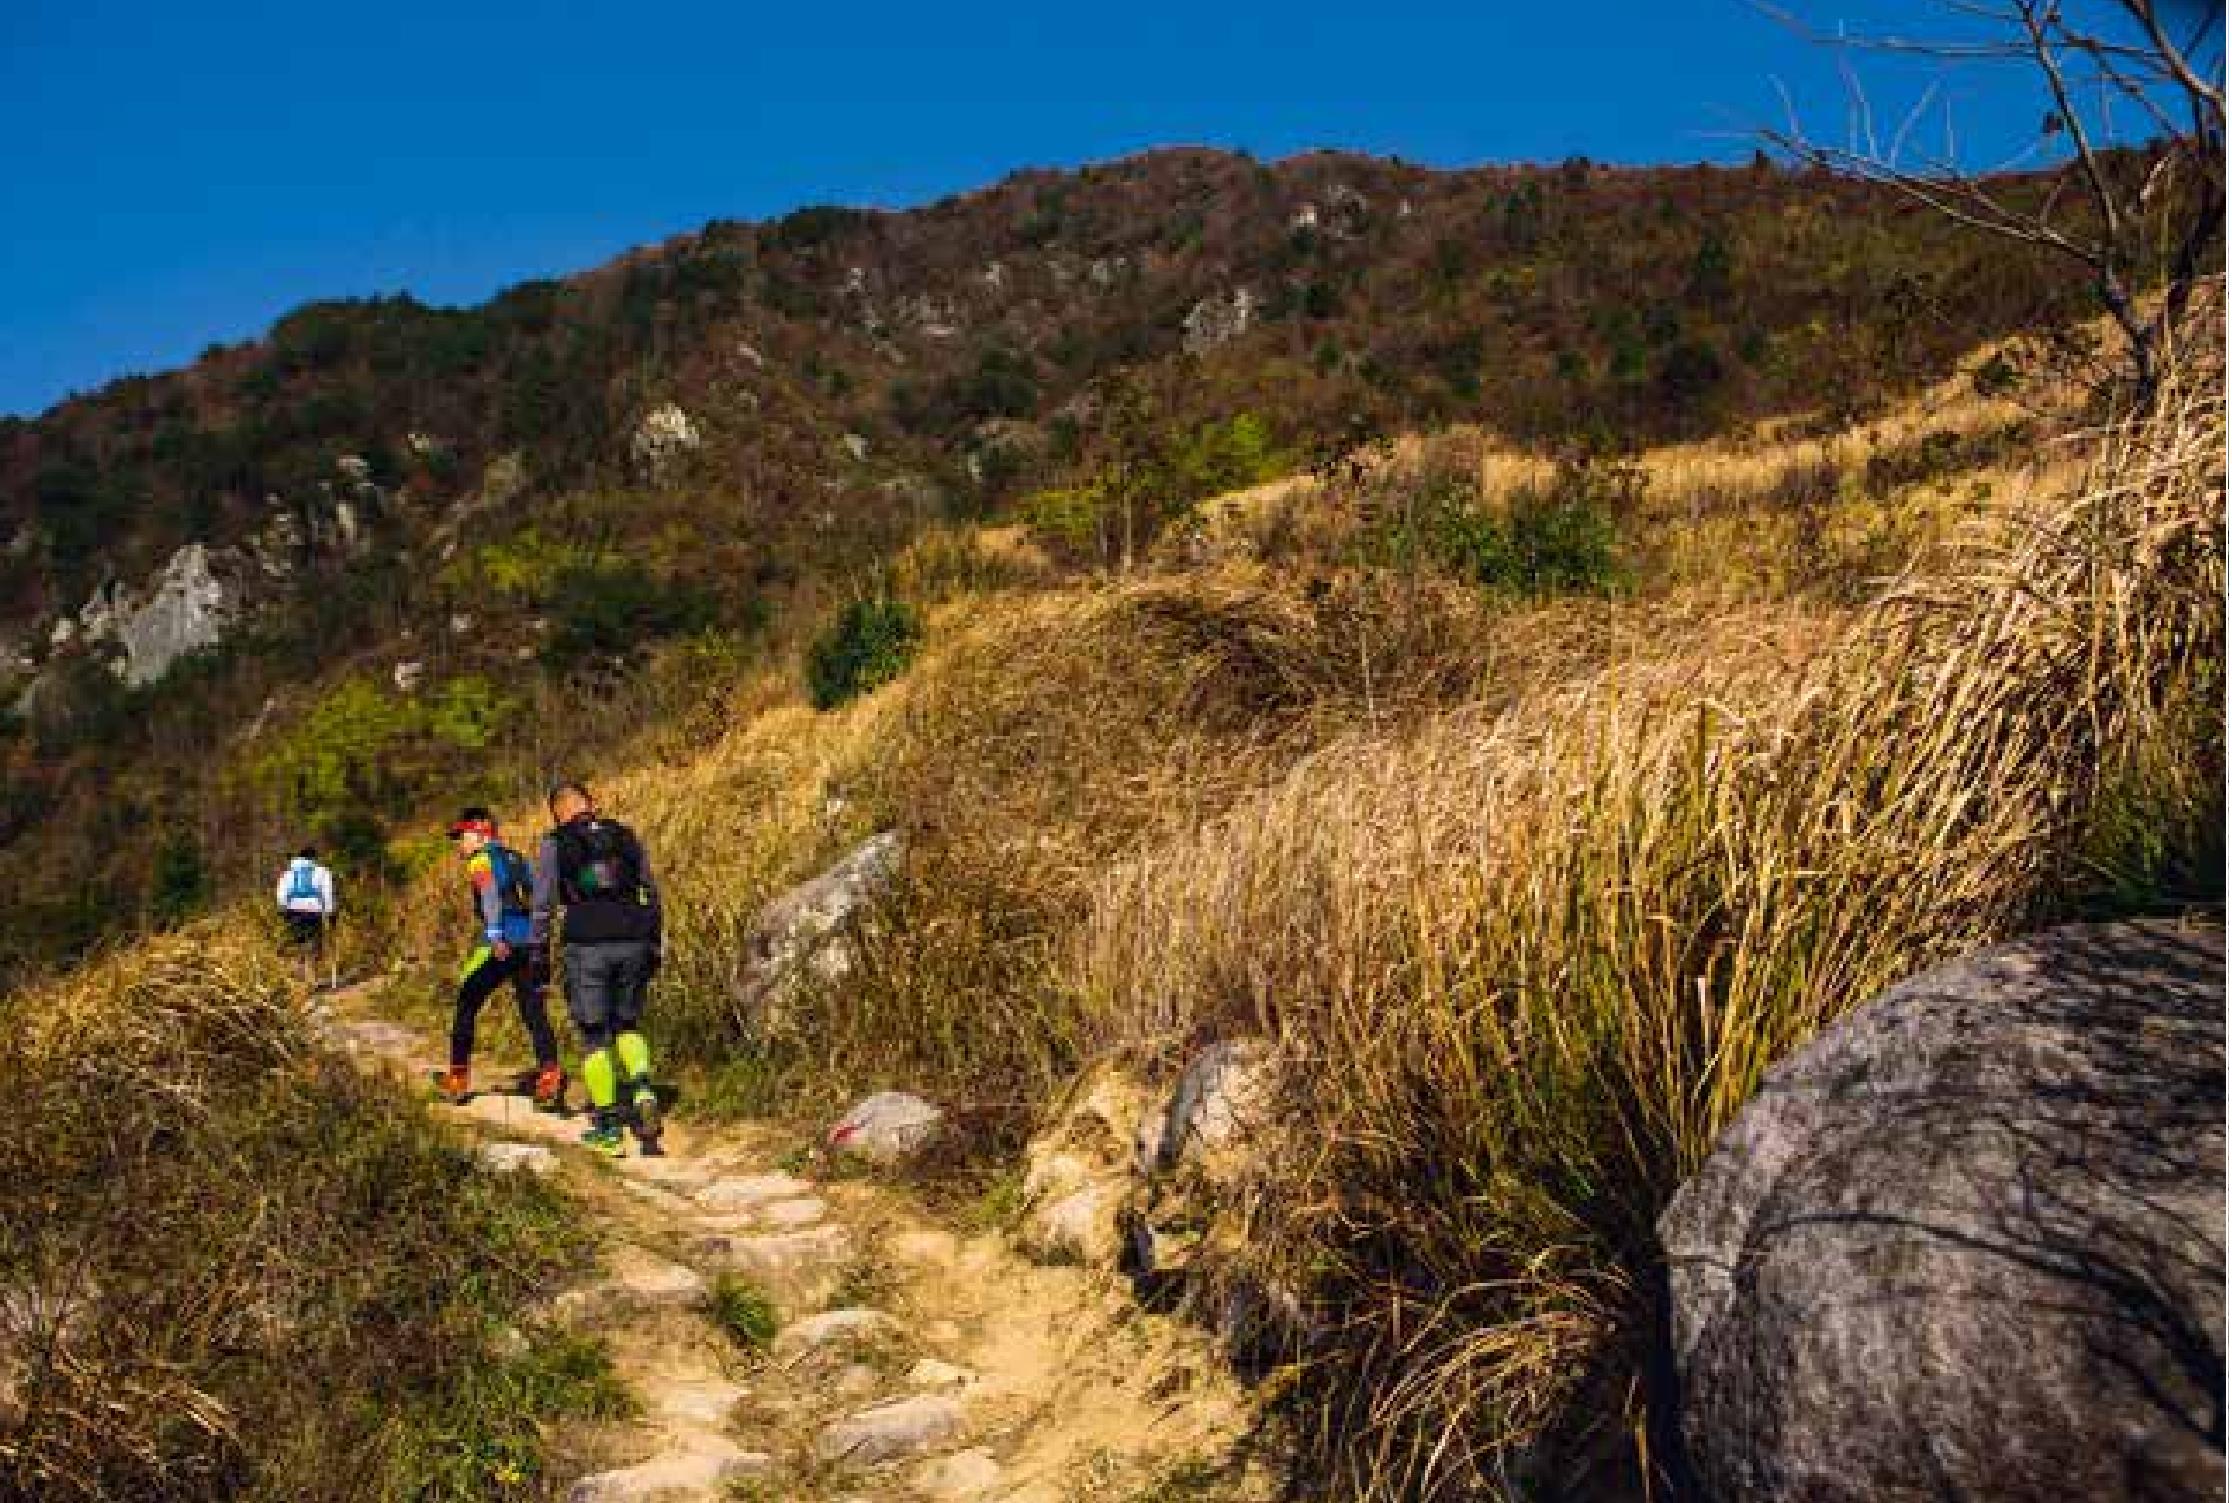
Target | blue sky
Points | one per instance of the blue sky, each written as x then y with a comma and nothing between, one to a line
176,174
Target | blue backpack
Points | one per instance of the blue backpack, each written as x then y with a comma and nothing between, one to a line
304,887
515,887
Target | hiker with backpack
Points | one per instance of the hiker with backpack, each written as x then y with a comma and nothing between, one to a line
305,894
612,929
501,885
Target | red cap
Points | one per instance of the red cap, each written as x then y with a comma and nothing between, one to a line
476,820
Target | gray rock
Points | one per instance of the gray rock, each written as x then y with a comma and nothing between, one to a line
1969,1241
803,937
886,1128
638,1281
187,608
1220,319
838,1327
662,437
1221,1099
510,1158
802,1267
888,1432
704,1471
1078,1175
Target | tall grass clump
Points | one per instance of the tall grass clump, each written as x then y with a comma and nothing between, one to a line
1523,966
231,1266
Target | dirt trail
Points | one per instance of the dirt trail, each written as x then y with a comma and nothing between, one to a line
912,1362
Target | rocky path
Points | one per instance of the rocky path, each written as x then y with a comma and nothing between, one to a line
910,1362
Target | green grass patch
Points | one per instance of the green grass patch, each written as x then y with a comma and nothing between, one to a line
744,1312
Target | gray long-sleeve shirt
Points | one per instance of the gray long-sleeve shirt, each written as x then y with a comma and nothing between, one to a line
544,918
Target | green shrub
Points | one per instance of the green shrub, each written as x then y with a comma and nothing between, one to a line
868,646
1558,539
743,1310
181,884
615,609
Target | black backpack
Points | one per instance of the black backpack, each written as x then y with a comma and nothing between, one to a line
599,862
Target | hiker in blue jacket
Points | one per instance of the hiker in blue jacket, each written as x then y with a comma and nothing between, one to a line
501,886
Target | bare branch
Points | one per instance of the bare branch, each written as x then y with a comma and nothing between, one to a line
2147,226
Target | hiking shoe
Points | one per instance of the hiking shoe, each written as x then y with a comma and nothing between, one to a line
550,1090
605,1139
453,1086
648,1123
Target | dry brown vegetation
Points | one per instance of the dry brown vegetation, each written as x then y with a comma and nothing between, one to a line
231,1266
1523,966
1526,894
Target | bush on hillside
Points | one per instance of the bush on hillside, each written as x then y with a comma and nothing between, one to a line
871,643
1561,537
616,609
237,1267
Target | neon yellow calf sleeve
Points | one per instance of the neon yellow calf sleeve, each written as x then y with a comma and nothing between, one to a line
635,1055
596,1073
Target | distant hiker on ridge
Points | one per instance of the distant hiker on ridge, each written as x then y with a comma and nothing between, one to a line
612,930
305,894
501,887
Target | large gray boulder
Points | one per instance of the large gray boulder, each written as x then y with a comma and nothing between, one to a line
886,1128
804,937
1969,1242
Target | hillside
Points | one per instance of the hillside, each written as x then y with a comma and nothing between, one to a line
1497,824
324,580
1385,704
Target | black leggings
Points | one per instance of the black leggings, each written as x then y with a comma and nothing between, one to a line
480,984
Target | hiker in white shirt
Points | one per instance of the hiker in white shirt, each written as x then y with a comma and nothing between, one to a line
305,894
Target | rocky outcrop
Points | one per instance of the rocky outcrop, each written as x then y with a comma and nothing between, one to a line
186,608
804,937
662,437
1079,1176
1969,1242
1220,319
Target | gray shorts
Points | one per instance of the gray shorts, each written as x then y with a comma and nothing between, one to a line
605,982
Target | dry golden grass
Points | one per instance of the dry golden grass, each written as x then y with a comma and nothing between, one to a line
232,1266
1525,964
1764,514
1528,896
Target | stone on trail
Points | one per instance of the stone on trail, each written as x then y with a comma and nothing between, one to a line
802,1267
686,1175
706,1471
888,1432
509,1158
835,1326
932,1373
964,1474
637,1281
1969,1241
705,1402
886,1128
1222,1100
792,1214
746,1191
